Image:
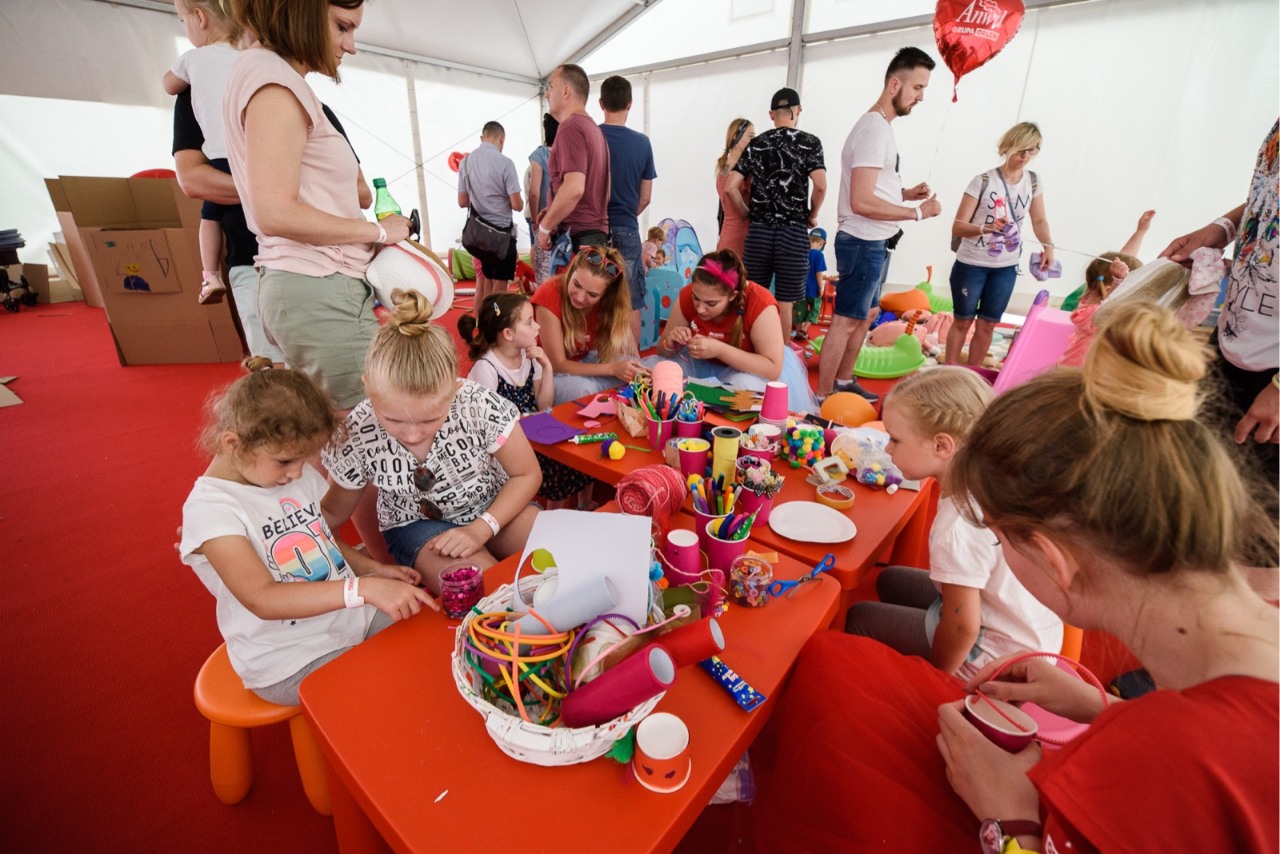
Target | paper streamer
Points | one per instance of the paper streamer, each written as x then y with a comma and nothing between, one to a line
621,689
724,452
570,608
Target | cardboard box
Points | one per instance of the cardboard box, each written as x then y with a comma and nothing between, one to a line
81,268
139,237
47,290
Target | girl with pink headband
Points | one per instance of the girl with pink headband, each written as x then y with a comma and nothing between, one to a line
727,328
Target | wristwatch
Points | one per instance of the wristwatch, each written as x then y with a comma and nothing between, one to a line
992,834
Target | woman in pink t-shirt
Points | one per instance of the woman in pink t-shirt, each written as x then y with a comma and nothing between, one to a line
733,226
299,181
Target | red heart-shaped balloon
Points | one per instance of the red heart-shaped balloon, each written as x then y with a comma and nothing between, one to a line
455,159
970,32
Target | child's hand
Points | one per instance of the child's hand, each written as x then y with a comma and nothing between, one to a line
397,599
462,541
398,573
1144,221
628,369
537,354
1119,270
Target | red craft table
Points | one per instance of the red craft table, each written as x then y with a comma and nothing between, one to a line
397,735
893,526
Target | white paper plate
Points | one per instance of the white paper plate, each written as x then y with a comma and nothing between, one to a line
811,522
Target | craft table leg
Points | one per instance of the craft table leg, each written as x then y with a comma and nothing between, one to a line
356,834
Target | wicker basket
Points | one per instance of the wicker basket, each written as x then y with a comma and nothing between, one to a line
530,742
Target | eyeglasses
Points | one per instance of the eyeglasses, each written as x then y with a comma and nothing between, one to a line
1031,151
423,481
596,258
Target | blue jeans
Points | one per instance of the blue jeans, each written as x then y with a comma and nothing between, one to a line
981,291
861,265
405,541
627,242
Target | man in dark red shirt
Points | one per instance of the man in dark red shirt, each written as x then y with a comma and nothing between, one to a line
579,166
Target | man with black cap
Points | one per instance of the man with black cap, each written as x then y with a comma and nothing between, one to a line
781,163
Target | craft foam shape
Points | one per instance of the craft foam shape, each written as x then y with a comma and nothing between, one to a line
903,357
831,470
1038,346
410,266
599,405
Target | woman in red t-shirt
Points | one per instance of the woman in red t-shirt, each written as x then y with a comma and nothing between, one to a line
585,319
728,328
1118,508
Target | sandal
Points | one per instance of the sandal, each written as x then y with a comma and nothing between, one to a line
212,289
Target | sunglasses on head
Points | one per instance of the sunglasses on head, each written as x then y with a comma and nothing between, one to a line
596,258
423,481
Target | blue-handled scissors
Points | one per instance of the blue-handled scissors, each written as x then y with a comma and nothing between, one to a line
779,587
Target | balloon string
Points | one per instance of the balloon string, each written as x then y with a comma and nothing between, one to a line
1057,247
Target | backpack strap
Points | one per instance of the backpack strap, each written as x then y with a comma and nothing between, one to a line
1035,184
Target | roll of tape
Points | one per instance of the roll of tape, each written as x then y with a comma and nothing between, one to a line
833,495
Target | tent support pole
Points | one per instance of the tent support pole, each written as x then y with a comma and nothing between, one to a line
795,48
412,91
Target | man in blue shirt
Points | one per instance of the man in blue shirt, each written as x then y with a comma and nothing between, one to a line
631,174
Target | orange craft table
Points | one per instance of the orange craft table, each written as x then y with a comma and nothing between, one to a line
896,526
412,767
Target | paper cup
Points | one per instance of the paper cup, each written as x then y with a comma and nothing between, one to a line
689,429
720,553
661,762
660,432
684,555
693,456
1009,736
701,520
774,404
749,502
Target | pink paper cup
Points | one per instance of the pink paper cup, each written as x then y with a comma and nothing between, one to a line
660,433
693,456
700,523
689,429
1008,736
720,553
683,553
749,502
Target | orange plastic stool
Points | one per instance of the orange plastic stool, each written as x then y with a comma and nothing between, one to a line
232,711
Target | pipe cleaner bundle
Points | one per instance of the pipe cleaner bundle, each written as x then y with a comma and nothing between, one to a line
517,681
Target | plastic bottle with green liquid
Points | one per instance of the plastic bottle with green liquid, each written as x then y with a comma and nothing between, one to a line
383,204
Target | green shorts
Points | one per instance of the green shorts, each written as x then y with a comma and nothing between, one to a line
807,310
324,326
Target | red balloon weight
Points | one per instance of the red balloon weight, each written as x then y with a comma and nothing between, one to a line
970,32
455,160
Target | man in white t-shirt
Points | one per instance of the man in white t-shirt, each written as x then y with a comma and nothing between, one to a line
870,205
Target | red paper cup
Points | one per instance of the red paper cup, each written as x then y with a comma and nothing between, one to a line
720,553
660,432
689,429
693,455
661,762
1004,734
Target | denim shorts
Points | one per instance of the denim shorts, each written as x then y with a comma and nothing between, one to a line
860,264
981,291
405,541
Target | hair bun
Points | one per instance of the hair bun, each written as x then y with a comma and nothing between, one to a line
1145,364
254,364
411,312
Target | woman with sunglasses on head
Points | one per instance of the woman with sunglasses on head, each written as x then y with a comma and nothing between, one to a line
990,226
1121,511
454,472
585,319
727,328
733,226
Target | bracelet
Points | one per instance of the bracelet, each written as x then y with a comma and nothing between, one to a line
351,592
489,520
919,216
382,233
542,230
1226,225
1275,380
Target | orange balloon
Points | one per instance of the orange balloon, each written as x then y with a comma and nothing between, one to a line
876,425
848,409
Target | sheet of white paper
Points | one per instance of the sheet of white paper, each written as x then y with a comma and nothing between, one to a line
587,546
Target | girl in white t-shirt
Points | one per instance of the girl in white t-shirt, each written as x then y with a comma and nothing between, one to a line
252,529
210,27
454,471
990,226
503,344
969,608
